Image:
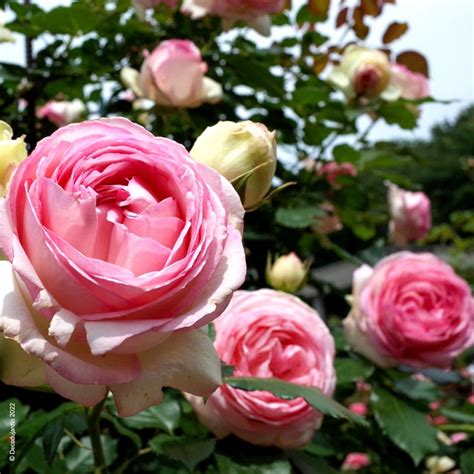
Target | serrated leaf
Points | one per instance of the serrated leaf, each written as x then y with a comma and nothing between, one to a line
405,426
310,95
228,466
297,217
398,113
343,153
80,460
350,370
164,416
394,31
418,389
121,429
289,391
308,464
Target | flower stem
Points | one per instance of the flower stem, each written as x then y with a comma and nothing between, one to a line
93,419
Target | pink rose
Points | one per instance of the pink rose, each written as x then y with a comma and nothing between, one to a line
410,309
172,75
470,399
355,461
410,215
332,170
411,85
120,245
265,334
62,112
458,437
254,12
359,408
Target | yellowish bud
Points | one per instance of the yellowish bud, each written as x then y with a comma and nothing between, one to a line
12,152
288,273
244,153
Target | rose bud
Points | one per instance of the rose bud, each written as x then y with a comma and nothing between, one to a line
172,75
410,309
355,461
242,152
288,273
362,72
256,13
410,215
62,112
267,334
439,464
360,408
332,170
11,153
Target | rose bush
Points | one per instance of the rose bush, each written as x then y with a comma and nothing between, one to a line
172,75
410,309
121,246
267,333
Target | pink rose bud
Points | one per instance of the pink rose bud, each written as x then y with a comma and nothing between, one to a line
267,334
288,273
410,309
412,85
332,170
410,215
458,437
359,408
62,112
355,461
242,152
470,399
437,420
435,405
120,248
362,72
173,75
255,13
363,387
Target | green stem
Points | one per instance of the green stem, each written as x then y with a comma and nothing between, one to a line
93,419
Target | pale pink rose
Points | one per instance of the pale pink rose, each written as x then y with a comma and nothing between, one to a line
332,170
410,214
412,85
173,75
265,334
410,309
121,246
359,408
458,437
254,12
355,461
62,112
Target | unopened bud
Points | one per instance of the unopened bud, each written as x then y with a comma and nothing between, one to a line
288,273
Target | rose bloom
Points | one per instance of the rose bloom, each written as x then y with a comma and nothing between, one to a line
410,309
355,461
410,215
62,112
332,170
411,85
121,246
362,72
267,334
254,12
172,75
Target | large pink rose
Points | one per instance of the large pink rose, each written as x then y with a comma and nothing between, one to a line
410,309
172,75
410,214
412,85
265,334
120,246
254,12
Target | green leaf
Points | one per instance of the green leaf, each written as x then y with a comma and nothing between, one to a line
418,389
310,95
350,370
52,436
308,464
164,416
344,153
316,133
399,114
80,460
467,462
6,408
186,450
289,391
405,426
457,415
228,466
136,440
297,217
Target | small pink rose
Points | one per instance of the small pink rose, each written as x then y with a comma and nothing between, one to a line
435,405
266,334
62,112
355,461
332,170
173,75
470,399
412,85
410,215
458,437
359,408
438,420
410,309
121,248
